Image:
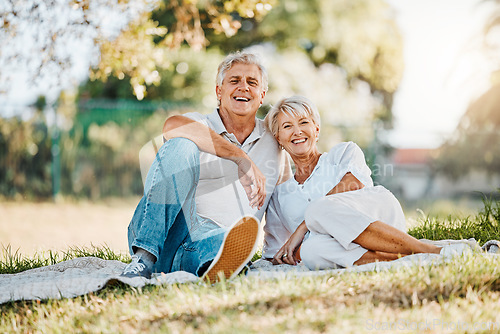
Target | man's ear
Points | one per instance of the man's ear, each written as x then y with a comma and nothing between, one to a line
262,96
217,92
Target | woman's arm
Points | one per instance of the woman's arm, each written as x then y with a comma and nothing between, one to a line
348,158
291,246
348,183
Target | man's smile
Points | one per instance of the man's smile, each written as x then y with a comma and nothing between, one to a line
241,99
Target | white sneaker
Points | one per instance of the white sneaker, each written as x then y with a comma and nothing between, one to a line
136,268
236,250
456,249
492,247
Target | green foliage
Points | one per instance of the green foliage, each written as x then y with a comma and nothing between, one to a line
25,157
346,56
142,50
99,153
326,50
101,159
123,33
188,78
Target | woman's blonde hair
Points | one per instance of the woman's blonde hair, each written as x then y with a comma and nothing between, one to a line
294,106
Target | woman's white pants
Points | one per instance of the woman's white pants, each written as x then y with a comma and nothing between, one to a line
335,221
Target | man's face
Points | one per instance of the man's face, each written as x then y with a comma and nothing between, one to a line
241,92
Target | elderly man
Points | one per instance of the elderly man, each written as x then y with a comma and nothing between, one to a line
206,190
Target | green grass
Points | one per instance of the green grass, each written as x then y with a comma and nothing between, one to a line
483,227
462,296
13,262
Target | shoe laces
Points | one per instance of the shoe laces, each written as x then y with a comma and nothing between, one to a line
135,266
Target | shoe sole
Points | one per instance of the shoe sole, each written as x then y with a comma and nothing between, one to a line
236,250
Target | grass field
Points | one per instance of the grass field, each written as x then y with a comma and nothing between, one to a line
460,297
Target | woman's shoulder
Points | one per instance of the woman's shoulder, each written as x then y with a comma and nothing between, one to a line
345,145
341,149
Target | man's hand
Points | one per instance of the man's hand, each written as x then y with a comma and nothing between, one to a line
287,253
253,181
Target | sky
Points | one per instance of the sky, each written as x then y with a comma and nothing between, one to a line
444,68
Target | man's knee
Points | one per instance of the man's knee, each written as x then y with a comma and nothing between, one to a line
180,148
181,143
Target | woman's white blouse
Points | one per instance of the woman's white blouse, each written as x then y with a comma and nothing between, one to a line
290,199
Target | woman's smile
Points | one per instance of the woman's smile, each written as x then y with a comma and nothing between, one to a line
299,141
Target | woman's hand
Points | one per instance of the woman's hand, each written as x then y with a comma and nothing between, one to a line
287,253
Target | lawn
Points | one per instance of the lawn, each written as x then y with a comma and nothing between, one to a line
462,296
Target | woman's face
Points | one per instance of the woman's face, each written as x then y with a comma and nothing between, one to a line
297,134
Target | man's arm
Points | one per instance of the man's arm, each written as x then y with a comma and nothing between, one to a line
211,142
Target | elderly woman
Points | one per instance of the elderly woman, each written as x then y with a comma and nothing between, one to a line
330,209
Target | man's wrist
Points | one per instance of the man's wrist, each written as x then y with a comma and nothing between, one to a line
240,158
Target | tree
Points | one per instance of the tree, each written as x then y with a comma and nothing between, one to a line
46,36
359,36
474,144
133,39
42,38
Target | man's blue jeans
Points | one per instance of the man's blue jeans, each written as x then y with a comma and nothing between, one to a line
165,222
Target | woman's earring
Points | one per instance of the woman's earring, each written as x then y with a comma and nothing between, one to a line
281,146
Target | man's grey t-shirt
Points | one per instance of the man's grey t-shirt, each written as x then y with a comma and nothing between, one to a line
219,194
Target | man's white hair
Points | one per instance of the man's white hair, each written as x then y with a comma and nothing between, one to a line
241,58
